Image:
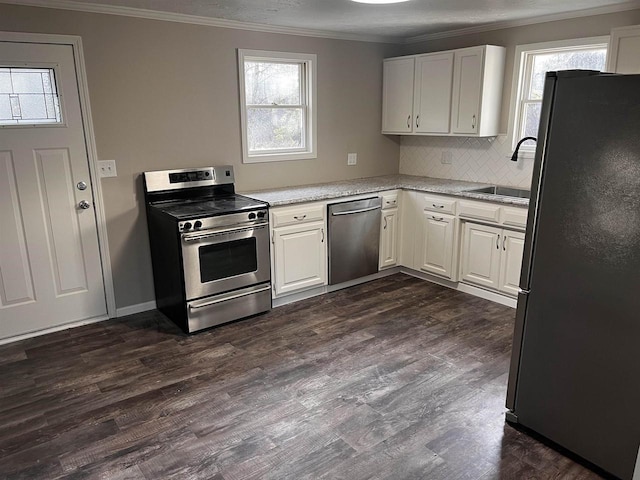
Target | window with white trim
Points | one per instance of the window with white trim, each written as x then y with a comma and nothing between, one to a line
532,62
277,105
28,96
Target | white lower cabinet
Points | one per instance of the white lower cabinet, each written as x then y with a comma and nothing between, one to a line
492,257
299,253
388,238
511,261
300,257
435,250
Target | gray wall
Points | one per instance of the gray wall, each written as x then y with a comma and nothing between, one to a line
165,95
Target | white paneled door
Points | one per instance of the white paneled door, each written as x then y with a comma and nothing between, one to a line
50,265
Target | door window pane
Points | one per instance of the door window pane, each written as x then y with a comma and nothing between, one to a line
28,96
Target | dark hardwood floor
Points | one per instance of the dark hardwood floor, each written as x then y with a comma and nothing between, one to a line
396,379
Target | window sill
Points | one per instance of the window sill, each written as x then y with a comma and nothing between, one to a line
279,157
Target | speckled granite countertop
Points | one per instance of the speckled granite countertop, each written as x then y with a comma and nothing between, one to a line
359,186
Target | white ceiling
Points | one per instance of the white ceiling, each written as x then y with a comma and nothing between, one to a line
394,22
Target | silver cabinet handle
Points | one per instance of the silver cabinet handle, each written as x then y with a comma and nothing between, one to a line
473,123
409,121
498,242
322,232
437,206
84,205
437,219
81,185
504,243
417,121
300,217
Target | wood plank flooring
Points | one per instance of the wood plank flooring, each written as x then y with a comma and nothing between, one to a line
394,379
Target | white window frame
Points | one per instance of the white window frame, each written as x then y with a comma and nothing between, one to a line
308,64
523,62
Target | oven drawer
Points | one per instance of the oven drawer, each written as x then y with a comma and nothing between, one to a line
226,307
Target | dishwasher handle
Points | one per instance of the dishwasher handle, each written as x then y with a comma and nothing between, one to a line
351,212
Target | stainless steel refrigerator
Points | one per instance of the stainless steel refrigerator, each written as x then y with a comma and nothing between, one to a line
575,367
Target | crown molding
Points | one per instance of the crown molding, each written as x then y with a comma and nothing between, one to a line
256,27
199,20
622,7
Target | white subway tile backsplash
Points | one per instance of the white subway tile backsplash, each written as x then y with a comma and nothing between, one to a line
484,160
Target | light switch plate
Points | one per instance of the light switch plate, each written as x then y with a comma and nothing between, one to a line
352,158
446,157
107,168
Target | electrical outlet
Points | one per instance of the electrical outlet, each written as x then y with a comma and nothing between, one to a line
352,158
107,168
446,157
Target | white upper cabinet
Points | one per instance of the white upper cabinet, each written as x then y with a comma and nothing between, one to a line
432,97
397,96
467,88
478,77
458,92
624,50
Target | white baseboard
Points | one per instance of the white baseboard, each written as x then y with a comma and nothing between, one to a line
57,328
137,308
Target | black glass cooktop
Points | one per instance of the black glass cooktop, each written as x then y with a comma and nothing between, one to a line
208,207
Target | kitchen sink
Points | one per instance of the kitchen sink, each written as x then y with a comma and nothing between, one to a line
504,191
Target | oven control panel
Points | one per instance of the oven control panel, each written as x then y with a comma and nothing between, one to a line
163,180
256,217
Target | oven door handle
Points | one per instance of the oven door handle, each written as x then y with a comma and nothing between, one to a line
230,297
194,237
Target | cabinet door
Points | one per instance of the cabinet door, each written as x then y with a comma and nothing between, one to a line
481,249
388,238
300,257
623,55
511,261
432,100
397,95
435,251
467,86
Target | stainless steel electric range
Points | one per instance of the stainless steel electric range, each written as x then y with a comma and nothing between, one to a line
209,247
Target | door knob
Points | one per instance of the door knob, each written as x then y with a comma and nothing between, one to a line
81,186
84,205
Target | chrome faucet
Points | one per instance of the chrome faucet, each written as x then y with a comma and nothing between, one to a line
514,157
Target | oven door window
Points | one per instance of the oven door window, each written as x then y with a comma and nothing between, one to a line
228,259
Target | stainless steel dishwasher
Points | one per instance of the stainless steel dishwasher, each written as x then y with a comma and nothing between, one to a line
354,239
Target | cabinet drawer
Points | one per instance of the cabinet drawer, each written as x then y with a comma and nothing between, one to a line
295,215
514,217
480,211
389,200
437,204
